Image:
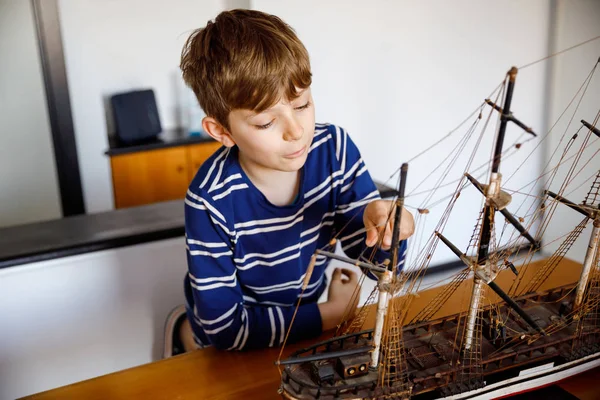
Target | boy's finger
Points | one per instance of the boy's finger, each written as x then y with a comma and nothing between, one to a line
353,277
387,238
337,275
371,238
349,273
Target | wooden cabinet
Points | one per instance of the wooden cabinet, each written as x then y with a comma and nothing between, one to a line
150,176
197,154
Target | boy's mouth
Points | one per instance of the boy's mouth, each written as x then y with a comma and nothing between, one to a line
295,154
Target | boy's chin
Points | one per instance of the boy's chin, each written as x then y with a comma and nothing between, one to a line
294,165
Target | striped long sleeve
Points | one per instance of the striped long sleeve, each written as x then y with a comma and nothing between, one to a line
225,318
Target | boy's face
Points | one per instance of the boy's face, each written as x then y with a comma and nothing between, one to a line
276,139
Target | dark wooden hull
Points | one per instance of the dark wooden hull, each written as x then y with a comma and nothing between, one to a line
432,353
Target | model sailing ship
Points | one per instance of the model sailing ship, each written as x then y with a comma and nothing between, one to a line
505,341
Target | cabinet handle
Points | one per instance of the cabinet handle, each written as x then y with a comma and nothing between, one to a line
179,168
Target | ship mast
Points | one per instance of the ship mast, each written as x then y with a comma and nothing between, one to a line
592,213
592,250
590,256
386,278
496,200
493,191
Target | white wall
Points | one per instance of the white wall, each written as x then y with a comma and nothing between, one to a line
78,317
399,75
28,184
114,46
576,22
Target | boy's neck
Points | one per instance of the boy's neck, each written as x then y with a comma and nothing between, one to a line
279,187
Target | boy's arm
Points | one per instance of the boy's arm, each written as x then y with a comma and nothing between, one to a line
355,192
228,322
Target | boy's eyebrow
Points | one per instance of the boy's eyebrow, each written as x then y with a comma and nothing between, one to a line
254,114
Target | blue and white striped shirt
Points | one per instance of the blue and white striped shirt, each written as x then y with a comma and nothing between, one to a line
247,258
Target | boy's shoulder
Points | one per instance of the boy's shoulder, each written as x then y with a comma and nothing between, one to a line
327,127
214,169
332,143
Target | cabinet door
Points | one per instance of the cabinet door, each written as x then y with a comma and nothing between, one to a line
198,153
149,176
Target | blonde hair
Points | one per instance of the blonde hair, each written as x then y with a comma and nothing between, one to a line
245,59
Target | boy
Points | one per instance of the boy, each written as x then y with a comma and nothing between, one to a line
279,188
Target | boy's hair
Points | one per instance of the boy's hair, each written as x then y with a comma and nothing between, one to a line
245,59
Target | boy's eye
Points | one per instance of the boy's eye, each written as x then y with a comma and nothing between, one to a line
265,126
304,107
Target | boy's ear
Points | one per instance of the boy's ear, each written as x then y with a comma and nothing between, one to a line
217,131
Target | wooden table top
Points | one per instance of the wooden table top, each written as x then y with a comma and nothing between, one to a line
213,374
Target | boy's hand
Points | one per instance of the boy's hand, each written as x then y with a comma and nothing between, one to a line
339,298
376,221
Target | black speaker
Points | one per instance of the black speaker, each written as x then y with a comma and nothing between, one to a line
136,116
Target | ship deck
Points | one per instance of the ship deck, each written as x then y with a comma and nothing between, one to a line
432,351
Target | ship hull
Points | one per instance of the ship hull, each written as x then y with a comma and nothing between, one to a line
508,364
531,380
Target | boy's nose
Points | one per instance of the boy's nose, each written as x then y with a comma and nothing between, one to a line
294,131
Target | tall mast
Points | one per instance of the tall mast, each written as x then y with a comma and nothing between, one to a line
594,213
588,263
496,177
387,277
398,216
492,192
